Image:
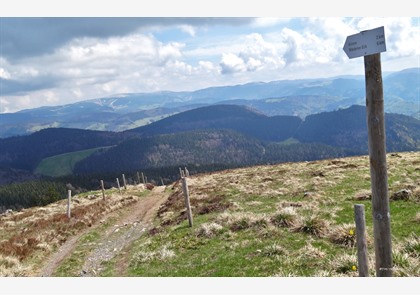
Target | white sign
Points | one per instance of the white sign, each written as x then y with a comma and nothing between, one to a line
365,43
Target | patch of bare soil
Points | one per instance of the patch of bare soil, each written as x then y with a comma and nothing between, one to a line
128,227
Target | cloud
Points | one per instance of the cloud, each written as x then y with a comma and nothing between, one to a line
269,21
231,63
63,60
23,37
9,86
255,54
4,74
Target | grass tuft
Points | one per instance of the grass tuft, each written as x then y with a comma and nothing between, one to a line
313,225
345,264
209,230
344,235
286,217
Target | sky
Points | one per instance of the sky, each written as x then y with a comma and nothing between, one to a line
57,58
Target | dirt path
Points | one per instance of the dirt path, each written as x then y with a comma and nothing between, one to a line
129,227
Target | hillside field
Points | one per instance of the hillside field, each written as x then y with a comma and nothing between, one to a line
63,164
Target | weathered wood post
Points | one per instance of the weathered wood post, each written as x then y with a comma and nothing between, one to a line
362,253
124,182
161,181
145,178
118,184
187,173
187,201
103,189
142,176
378,167
138,177
370,44
181,172
68,203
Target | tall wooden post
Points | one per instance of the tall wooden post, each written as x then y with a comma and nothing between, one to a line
161,181
142,176
187,173
187,201
362,254
68,203
118,184
124,182
138,177
378,167
103,189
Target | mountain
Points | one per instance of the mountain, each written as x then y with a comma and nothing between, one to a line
239,118
215,135
238,136
285,97
347,128
224,148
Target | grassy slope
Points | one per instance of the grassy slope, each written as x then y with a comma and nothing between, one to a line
293,219
63,164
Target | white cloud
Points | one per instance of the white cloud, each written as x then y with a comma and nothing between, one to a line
232,63
269,21
91,67
4,74
190,30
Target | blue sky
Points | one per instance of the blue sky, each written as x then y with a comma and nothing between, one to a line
59,59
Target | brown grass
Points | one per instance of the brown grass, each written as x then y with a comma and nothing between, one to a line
33,233
313,225
344,235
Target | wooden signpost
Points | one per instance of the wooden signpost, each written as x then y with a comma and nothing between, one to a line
370,44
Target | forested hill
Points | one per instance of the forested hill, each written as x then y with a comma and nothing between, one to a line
348,128
25,152
224,148
234,117
343,129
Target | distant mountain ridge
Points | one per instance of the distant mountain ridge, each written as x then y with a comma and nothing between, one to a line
239,118
213,135
285,97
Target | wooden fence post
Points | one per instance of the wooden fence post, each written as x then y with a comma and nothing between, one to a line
103,189
187,201
138,177
124,182
118,184
378,168
142,177
181,172
187,173
161,181
362,254
68,203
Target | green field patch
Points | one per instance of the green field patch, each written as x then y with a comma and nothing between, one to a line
63,164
